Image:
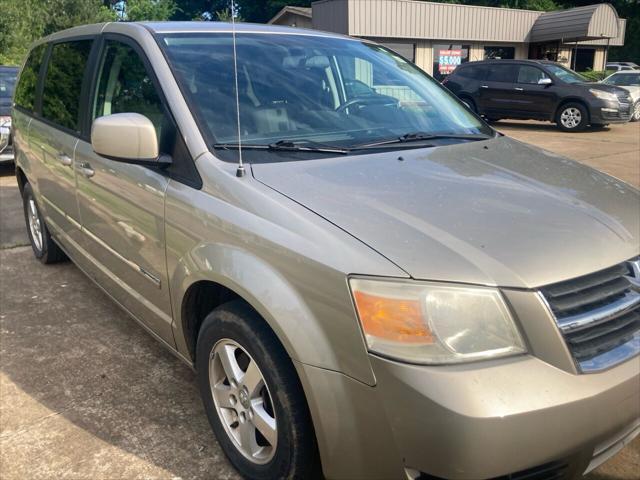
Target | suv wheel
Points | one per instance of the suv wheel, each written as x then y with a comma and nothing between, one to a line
572,117
635,116
44,248
253,397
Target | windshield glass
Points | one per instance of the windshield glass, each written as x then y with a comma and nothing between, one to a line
624,79
566,75
7,83
305,88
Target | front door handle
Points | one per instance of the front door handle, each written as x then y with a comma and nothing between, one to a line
86,170
519,89
64,159
484,86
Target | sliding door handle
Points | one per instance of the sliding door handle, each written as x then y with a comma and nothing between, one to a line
64,159
86,170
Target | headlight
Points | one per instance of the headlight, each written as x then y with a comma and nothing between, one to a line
434,323
602,95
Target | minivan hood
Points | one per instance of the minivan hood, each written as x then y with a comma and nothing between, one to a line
496,212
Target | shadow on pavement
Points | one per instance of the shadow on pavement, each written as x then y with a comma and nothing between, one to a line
70,355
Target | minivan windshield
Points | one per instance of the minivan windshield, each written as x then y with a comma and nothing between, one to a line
311,90
564,74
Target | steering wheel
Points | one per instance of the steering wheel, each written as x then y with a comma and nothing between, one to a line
372,100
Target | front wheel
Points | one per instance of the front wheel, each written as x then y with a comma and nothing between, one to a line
572,117
635,116
253,397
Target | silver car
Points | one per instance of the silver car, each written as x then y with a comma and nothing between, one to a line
370,282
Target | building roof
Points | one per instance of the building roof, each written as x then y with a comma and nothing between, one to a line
577,24
302,11
409,19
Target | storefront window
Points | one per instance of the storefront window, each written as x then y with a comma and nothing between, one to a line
447,57
544,51
499,53
582,59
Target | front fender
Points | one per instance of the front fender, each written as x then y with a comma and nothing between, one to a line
282,305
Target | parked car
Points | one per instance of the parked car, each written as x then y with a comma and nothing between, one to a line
621,66
367,278
538,90
7,83
630,81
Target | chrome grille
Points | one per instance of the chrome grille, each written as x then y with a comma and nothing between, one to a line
599,315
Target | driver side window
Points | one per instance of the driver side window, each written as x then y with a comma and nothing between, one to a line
125,87
531,75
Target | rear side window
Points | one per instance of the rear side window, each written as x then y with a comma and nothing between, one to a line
465,72
26,90
502,73
63,83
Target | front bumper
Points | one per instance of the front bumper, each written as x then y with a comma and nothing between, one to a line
611,112
475,421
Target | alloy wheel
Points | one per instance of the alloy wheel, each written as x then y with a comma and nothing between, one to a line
571,117
35,226
243,401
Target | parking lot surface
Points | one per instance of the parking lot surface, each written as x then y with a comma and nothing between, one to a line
85,393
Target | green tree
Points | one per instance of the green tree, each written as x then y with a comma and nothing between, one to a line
23,21
145,10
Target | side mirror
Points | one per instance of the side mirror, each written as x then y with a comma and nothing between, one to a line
545,81
127,137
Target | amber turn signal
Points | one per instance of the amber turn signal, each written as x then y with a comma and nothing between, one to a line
395,319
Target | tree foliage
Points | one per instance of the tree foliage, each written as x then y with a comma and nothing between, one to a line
24,21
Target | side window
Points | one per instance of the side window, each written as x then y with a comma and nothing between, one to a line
25,95
63,83
529,74
502,73
124,86
467,72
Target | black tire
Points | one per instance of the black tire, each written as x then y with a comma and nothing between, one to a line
635,113
578,117
46,250
295,455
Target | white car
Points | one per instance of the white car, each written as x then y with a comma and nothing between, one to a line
619,66
629,80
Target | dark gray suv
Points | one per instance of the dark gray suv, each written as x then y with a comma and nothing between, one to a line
538,90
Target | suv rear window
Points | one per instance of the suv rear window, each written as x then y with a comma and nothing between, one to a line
63,82
26,89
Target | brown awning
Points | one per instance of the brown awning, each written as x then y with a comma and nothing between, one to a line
592,22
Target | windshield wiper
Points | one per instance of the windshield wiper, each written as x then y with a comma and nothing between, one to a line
422,136
285,146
